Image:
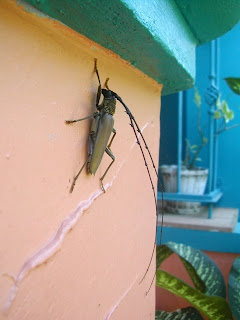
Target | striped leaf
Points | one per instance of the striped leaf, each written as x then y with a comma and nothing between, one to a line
214,308
234,84
188,313
204,273
234,288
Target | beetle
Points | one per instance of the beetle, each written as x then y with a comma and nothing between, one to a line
100,132
102,127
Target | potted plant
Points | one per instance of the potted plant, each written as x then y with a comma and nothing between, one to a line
194,178
208,296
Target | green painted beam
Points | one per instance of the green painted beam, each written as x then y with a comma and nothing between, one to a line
154,35
210,19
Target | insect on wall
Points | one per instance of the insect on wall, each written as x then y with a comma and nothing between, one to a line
101,137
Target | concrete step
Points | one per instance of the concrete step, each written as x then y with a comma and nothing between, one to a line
223,219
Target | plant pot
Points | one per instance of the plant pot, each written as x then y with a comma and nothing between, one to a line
192,182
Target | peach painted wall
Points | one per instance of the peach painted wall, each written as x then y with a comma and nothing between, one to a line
58,261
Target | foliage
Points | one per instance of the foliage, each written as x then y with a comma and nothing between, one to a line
223,111
234,84
192,151
215,308
181,314
234,288
196,264
222,114
208,296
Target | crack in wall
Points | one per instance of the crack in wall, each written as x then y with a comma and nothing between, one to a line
108,316
53,245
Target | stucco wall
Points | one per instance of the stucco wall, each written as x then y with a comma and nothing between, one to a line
58,261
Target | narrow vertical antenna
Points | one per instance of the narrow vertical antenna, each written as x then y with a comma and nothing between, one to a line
132,122
136,129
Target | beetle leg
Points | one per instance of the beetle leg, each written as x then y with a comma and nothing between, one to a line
96,70
75,178
88,117
92,138
91,142
109,152
99,87
98,96
110,143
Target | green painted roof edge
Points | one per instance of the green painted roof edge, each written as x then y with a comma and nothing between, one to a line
209,20
152,35
159,43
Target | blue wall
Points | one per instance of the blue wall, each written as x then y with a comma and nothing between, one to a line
229,141
168,140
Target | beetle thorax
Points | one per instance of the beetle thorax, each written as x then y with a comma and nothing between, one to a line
109,106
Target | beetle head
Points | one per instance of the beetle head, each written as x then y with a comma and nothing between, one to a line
107,94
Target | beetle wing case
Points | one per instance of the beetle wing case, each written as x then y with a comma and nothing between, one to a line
105,127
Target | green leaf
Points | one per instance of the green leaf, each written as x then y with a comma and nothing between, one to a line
204,273
215,308
229,116
163,252
227,113
195,146
197,97
224,107
217,114
234,288
223,111
188,313
219,103
205,140
234,84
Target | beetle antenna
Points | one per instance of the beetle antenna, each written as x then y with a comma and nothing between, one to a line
161,232
138,130
138,142
133,121
146,146
135,130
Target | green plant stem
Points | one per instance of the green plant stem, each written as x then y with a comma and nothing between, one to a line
222,126
227,128
187,154
192,163
203,142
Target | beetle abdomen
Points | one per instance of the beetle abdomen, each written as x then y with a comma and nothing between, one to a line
104,131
